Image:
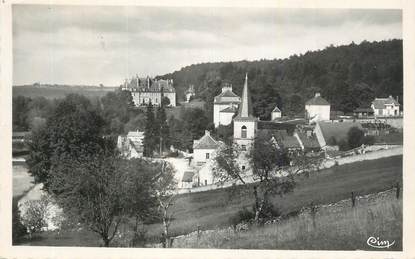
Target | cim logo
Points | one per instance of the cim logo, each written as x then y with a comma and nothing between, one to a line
376,243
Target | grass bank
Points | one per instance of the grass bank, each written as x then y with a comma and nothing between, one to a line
345,229
212,209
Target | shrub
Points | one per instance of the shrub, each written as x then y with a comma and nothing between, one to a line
18,229
269,211
343,145
35,216
243,215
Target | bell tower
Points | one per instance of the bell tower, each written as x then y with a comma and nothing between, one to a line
245,124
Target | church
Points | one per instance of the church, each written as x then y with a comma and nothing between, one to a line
245,124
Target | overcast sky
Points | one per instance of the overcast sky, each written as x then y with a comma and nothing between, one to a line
93,45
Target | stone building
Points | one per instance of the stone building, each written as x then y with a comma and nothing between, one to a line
245,124
131,145
146,90
225,106
276,113
190,92
317,109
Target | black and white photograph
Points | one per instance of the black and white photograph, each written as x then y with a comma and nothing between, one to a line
207,127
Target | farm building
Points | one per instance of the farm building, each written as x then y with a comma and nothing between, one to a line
317,109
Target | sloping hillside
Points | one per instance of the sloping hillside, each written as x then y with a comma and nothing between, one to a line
347,76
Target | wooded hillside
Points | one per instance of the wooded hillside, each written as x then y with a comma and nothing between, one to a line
347,76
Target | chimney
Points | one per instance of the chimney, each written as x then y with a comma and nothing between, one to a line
317,94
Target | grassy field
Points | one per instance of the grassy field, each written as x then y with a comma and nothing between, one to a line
212,209
345,229
60,92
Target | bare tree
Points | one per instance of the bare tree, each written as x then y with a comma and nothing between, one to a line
226,166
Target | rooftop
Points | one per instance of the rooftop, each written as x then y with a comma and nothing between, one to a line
338,130
188,176
317,100
205,142
380,103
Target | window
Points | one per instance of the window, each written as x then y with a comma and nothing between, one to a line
243,147
243,131
243,167
205,182
207,155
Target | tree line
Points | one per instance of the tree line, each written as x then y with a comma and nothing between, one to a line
79,165
348,76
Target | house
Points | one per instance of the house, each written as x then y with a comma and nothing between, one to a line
204,148
284,140
224,106
329,134
149,90
363,112
190,92
131,145
385,107
276,113
245,125
317,109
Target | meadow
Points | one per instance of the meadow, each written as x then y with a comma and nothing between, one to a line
60,92
213,209
345,229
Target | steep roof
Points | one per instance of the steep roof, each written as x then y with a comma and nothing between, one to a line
276,109
309,142
245,111
338,130
380,103
188,176
227,96
230,109
317,100
205,142
288,141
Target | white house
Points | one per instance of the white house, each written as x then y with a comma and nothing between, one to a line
131,145
385,107
245,124
189,93
224,106
204,148
317,109
276,113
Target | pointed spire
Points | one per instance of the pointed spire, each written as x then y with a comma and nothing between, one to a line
245,108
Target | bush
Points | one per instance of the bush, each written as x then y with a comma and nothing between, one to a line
343,145
269,211
35,215
18,229
243,215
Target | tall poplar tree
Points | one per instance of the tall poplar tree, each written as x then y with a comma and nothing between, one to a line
149,132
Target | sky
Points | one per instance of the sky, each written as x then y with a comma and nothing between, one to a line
91,45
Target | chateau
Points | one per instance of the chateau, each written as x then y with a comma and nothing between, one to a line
149,90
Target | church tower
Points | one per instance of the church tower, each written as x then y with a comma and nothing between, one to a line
245,124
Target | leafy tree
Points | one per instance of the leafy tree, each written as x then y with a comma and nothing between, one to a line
165,101
162,128
20,113
92,190
72,131
150,133
355,137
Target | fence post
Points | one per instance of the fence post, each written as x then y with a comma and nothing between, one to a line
198,235
313,210
353,199
398,190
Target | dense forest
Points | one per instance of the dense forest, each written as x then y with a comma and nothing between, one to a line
347,76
